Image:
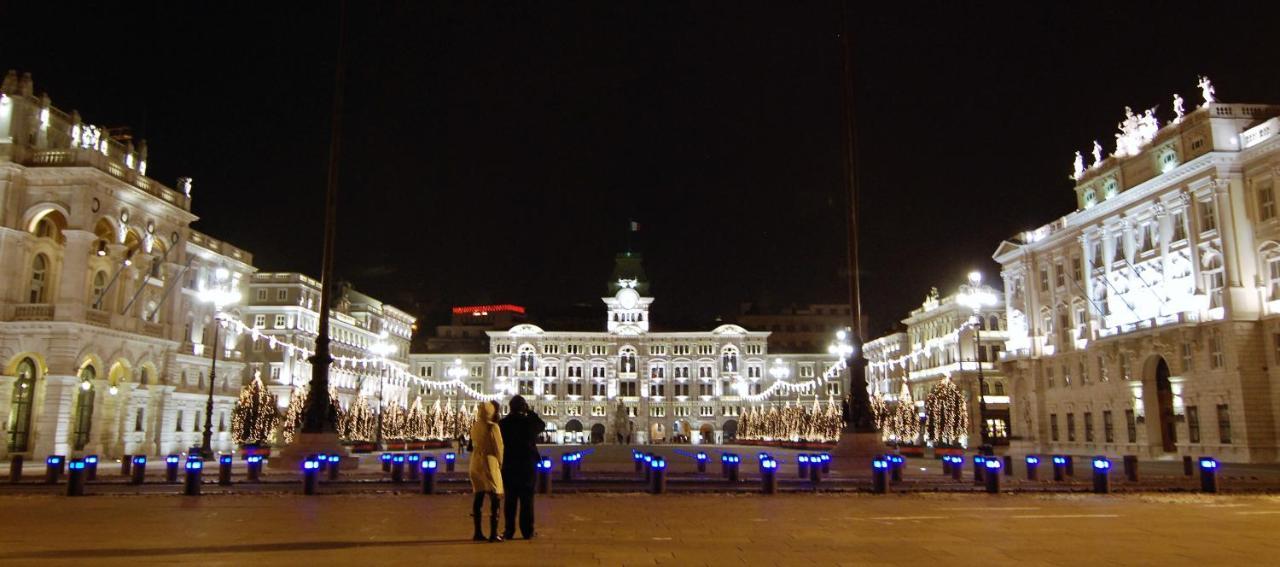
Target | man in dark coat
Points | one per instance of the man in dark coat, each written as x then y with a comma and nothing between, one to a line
520,430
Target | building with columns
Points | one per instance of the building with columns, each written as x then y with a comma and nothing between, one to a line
946,338
1147,321
104,336
632,382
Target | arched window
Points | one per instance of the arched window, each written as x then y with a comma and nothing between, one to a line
24,391
527,359
999,387
39,279
729,359
627,360
99,288
83,418
994,323
1272,258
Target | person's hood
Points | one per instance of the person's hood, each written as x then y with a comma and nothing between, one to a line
487,413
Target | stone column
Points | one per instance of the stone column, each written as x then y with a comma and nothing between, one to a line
6,396
51,426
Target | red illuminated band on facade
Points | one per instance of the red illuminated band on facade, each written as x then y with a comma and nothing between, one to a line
473,309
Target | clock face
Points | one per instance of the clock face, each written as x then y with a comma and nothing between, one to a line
628,298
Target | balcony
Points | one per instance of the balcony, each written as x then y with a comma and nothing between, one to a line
32,312
86,157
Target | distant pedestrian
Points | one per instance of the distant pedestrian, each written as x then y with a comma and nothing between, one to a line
520,430
486,468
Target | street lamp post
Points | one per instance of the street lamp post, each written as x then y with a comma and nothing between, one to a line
222,293
976,297
381,348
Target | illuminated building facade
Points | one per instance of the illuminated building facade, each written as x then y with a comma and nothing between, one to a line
1147,321
631,383
946,339
465,332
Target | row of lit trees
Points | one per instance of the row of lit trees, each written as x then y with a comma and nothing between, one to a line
814,423
946,416
257,419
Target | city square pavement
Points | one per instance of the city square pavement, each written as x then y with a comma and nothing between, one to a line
640,529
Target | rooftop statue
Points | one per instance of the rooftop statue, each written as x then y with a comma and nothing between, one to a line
1178,109
1077,168
1097,154
1207,91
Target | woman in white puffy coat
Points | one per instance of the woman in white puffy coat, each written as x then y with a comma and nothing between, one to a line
486,468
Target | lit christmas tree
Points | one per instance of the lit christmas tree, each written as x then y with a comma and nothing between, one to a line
254,418
293,414
905,420
946,414
416,421
358,423
880,413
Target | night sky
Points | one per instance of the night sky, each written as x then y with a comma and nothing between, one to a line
495,153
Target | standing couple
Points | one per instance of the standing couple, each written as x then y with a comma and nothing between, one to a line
504,456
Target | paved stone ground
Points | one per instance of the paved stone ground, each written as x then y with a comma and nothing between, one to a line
638,529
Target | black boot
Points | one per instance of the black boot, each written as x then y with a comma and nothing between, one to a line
493,530
476,507
479,534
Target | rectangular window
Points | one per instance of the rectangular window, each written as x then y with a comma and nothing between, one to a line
502,371
279,322
1104,374
550,371
549,409
137,420
599,350
1066,376
1188,357
1088,427
477,371
1216,357
575,371
682,371
833,389
572,349
657,411
597,371
549,388
1131,426
1053,426
477,386
260,321
627,388
282,294
1208,216
806,371
1125,373
1077,273
658,350
706,349
197,424
1108,427
1193,424
704,371
707,411
706,389
755,349
1071,427
657,390
1266,201
1044,278
597,411
1084,371
598,389
681,350
658,372
550,349
275,372
753,372
178,422
1224,424
262,294
1048,376
526,387
681,389
573,388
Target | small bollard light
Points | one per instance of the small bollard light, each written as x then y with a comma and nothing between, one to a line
896,464
544,475
880,475
825,459
171,469
724,465
957,467
1101,475
335,463
1033,467
992,474
224,470
1008,465
802,465
566,467
1059,468
194,467
386,462
1071,465
15,468
253,468
638,458
702,461
91,467
648,468
449,460
76,477
412,463
323,459
734,463
126,465
53,468
659,466
946,464
769,476
310,475
139,470
979,469
1131,468
397,469
428,467
1209,475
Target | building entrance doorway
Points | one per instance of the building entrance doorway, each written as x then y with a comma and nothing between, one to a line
1164,401
707,433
